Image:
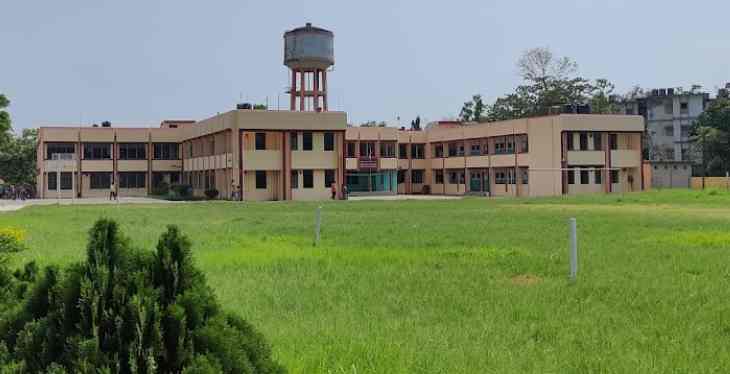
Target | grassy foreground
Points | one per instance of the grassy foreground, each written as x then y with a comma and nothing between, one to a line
466,286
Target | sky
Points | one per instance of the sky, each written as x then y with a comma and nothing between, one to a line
138,62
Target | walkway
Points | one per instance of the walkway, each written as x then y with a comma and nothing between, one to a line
11,205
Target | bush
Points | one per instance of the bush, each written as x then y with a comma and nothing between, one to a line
426,190
126,310
180,192
211,193
11,240
162,189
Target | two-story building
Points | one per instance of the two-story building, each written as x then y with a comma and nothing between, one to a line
544,156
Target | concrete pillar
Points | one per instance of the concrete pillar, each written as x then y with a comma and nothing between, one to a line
293,91
324,89
302,88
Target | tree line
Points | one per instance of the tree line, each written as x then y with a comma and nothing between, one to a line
550,83
17,152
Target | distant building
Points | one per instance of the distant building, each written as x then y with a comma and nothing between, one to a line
669,115
669,174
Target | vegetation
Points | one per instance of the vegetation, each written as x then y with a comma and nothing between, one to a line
17,153
549,84
711,139
124,310
11,240
465,286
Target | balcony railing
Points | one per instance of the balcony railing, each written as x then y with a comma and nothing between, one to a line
367,163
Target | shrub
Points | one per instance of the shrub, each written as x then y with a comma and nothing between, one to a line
162,189
211,193
181,191
126,310
11,240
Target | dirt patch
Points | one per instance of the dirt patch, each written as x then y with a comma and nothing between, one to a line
526,280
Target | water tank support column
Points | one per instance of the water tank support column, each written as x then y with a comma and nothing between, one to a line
324,89
302,87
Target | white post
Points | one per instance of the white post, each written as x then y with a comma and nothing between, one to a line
317,224
573,250
727,179
58,180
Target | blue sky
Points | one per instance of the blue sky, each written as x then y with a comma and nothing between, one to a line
138,62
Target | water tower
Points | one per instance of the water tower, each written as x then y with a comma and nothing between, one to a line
308,53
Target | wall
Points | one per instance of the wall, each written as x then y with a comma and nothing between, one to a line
711,182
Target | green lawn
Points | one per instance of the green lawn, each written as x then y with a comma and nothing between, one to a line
465,286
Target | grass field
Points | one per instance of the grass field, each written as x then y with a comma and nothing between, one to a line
465,286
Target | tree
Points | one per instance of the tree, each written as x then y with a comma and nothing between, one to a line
710,136
260,107
5,124
474,110
602,97
125,310
18,158
550,84
416,124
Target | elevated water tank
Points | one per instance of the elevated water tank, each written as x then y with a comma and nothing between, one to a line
309,47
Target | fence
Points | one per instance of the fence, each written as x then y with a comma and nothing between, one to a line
711,182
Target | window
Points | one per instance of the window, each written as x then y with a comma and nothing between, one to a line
169,178
524,144
132,180
294,140
685,131
295,179
329,178
417,151
684,108
260,179
417,176
98,181
401,176
62,148
438,150
597,138
525,175
307,141
569,139
350,149
261,142
669,130
211,145
614,176
453,177
597,175
504,145
438,177
367,149
452,150
504,176
97,151
190,149
329,141
132,151
613,142
66,181
308,176
387,150
583,137
475,150
166,151
584,177
668,108
402,151
571,176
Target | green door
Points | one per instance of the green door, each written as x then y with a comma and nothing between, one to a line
475,184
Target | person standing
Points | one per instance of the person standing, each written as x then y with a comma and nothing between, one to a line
334,191
112,191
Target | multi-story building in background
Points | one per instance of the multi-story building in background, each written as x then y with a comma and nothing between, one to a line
669,115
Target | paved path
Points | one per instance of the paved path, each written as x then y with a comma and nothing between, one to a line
11,205
405,197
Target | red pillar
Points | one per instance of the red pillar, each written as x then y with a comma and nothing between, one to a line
293,91
302,88
315,97
324,89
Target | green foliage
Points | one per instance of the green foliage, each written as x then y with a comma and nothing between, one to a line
549,84
162,189
260,107
128,311
710,135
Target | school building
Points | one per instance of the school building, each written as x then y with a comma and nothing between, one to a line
297,155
